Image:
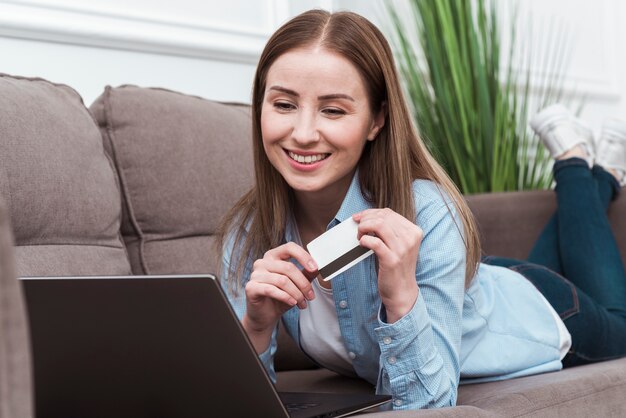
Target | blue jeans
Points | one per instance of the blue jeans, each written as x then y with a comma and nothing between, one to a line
576,264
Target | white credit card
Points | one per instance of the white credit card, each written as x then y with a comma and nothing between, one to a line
337,249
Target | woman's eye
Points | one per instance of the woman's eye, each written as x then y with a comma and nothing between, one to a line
333,111
284,106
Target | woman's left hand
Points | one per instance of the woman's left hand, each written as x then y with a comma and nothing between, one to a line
396,241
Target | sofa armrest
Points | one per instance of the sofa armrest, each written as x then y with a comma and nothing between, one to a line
16,398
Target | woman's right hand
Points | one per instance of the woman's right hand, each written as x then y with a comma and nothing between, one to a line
275,286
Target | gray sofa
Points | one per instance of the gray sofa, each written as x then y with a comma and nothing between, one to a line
137,184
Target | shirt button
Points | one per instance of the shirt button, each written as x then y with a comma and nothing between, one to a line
391,360
387,340
343,304
397,402
351,355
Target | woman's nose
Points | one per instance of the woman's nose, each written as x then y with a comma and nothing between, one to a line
305,129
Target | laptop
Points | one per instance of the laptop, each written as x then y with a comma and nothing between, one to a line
154,346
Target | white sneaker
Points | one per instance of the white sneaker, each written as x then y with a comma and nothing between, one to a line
561,131
612,148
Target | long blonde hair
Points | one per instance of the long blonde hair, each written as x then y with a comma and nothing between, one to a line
388,165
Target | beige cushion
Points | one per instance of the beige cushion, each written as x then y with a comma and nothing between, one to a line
59,185
182,162
16,399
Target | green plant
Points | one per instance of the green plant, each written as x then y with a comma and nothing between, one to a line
470,105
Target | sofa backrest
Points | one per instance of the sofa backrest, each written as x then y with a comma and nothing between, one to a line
16,394
511,222
182,162
59,185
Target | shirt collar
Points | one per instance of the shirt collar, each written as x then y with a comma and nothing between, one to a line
353,202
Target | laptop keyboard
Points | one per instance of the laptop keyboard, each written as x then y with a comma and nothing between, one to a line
293,407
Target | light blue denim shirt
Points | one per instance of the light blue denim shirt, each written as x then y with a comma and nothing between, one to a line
496,329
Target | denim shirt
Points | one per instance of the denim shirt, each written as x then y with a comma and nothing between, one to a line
496,329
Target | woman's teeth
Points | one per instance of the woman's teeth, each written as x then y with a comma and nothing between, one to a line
308,159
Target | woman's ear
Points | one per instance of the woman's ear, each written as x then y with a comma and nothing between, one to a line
378,122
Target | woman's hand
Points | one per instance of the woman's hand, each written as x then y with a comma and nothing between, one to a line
276,285
396,241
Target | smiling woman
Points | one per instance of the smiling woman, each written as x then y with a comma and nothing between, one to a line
333,142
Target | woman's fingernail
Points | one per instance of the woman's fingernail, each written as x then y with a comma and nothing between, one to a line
302,305
310,295
312,265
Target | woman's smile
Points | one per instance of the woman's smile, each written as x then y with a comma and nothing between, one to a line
306,158
306,161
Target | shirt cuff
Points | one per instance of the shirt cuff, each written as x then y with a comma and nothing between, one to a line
408,343
267,358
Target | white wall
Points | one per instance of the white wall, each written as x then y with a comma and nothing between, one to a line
210,47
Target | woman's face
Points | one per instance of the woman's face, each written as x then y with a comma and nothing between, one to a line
316,120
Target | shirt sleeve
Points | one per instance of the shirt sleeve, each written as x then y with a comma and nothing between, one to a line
419,360
238,302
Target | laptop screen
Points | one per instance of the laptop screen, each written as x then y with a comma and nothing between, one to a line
142,346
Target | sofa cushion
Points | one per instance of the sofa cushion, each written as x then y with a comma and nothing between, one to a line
591,390
16,396
183,161
58,183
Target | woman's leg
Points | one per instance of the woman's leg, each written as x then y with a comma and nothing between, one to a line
588,252
607,184
592,303
546,252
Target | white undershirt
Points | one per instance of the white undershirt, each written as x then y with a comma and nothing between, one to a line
320,336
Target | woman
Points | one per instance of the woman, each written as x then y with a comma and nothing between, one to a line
333,139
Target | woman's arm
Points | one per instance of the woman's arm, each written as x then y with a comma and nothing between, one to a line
273,285
419,362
